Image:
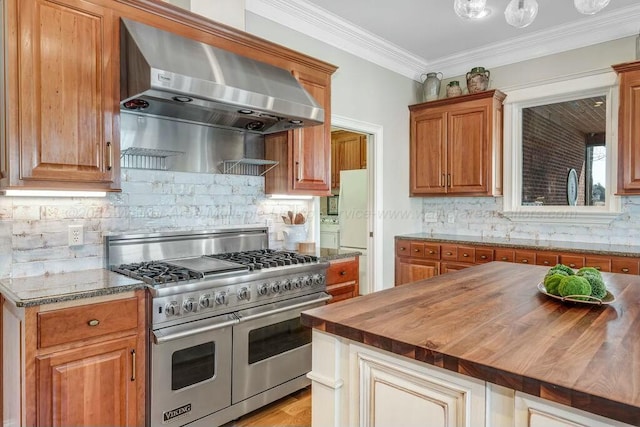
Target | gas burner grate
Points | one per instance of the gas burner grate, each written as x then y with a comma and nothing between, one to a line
157,272
266,258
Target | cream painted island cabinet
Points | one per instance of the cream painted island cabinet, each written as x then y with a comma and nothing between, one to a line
482,347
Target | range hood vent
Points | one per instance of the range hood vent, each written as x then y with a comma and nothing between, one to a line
166,75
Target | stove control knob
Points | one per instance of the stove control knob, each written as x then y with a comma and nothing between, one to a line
205,301
306,281
263,289
171,309
221,298
244,294
189,305
317,280
275,287
286,285
297,283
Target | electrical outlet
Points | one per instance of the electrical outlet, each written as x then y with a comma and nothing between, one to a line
76,235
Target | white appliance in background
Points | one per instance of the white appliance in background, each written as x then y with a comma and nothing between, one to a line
353,215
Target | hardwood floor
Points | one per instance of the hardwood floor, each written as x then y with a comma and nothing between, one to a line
290,411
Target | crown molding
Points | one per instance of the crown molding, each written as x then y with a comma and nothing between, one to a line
309,19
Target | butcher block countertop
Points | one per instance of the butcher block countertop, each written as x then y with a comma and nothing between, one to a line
491,322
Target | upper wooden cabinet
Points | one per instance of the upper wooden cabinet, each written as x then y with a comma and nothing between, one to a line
61,96
304,155
348,151
456,146
629,128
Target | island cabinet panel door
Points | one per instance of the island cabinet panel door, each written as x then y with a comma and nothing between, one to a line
397,394
68,91
531,411
411,270
90,386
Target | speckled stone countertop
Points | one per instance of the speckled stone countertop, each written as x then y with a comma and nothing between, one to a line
38,290
582,247
326,254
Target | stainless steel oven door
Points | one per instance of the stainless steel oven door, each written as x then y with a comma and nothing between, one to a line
270,345
190,370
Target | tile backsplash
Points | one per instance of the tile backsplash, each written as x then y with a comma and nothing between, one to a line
34,231
483,217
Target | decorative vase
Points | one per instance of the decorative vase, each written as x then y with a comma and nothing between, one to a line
454,89
478,79
431,86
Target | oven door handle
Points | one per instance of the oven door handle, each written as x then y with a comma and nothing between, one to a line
282,309
160,338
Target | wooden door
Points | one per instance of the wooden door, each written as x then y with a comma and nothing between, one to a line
408,270
311,155
68,88
91,386
467,150
629,129
427,166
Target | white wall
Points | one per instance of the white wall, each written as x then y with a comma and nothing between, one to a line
228,12
366,92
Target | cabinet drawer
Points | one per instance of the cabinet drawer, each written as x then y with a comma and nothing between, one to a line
403,248
525,257
417,249
572,261
431,251
449,252
87,321
625,265
547,259
466,254
506,255
342,271
342,291
484,255
597,262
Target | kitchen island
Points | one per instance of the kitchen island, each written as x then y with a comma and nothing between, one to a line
478,347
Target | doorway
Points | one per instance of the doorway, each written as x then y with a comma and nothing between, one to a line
361,150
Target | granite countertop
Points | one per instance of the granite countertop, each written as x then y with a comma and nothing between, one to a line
582,247
38,290
490,322
327,254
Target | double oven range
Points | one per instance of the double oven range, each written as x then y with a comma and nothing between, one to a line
225,332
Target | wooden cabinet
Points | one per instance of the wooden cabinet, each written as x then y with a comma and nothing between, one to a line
61,104
420,259
348,152
83,361
629,128
304,155
343,279
456,146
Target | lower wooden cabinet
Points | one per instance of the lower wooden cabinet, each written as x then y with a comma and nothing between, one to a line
80,363
422,259
343,280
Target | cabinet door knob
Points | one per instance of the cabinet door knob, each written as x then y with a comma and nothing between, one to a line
484,257
572,265
432,252
546,263
625,270
525,261
416,250
448,253
93,322
343,272
597,267
402,248
504,258
465,255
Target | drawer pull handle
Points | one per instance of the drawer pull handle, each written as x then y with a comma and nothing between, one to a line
572,265
597,267
546,263
504,258
343,272
625,270
465,255
133,365
525,261
432,252
448,253
416,250
484,257
402,248
93,322
109,156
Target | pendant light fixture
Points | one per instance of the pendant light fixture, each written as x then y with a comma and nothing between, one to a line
589,7
471,9
521,13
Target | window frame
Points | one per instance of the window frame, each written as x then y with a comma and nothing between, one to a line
603,83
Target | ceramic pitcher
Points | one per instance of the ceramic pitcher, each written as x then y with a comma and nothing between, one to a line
478,79
431,86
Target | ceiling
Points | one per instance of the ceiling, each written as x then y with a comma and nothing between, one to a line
414,36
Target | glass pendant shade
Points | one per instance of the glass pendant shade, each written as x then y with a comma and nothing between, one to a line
471,9
589,7
521,13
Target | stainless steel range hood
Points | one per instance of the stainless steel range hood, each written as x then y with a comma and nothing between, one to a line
166,75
